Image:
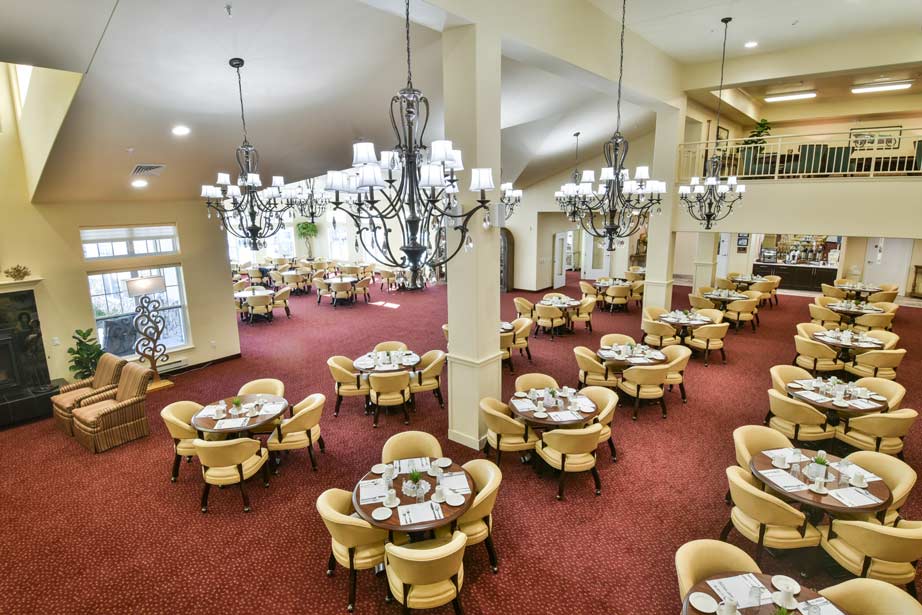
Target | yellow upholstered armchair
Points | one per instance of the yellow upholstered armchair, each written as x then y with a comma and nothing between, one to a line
797,420
231,462
178,420
697,302
409,445
524,308
389,390
593,372
363,288
392,346
504,433
616,339
105,378
260,306
115,416
526,382
808,329
698,560
617,297
676,361
569,451
888,296
893,391
348,381
816,357
506,338
584,313
637,288
550,318
342,292
822,315
707,338
427,574
740,311
606,400
299,431
645,382
870,596
751,440
889,338
832,291
522,328
899,477
873,322
281,300
354,543
428,375
477,522
783,374
323,288
388,280
589,291
881,432
264,386
876,364
658,334
876,551
764,518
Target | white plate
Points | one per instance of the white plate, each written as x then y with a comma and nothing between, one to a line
431,471
454,499
782,583
703,602
854,484
436,499
776,598
794,385
380,514
876,397
586,409
379,468
820,491
541,414
394,505
521,394
442,462
840,404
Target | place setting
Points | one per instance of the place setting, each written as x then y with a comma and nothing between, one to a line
631,354
239,413
835,394
387,361
553,406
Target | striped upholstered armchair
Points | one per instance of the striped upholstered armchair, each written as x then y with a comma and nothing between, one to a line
108,370
117,416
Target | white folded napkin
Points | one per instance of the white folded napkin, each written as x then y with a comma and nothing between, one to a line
523,405
457,482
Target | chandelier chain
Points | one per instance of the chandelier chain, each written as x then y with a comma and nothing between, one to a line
621,63
243,119
407,28
720,89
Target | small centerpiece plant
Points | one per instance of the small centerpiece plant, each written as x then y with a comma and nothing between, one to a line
237,403
415,476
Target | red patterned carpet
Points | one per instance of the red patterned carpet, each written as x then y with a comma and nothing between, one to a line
109,533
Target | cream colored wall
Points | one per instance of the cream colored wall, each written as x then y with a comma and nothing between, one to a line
549,224
533,263
686,245
853,256
46,238
701,113
916,260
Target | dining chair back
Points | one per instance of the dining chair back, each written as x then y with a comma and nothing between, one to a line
698,302
524,308
783,374
526,382
427,574
701,559
616,339
831,291
409,445
263,386
391,346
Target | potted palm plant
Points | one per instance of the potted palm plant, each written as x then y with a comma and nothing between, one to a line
307,231
753,146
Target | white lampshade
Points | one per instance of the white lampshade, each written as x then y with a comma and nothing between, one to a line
216,192
625,175
741,188
505,186
607,174
233,191
723,188
642,173
370,176
732,180
695,180
684,189
455,163
389,159
517,194
699,189
253,180
710,181
363,153
336,180
481,179
223,179
138,287
440,151
629,186
206,191
568,189
585,189
588,177
559,194
278,181
431,176
602,190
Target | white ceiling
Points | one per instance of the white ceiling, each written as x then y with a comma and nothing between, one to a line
690,30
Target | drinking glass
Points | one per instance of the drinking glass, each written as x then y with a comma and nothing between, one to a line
795,454
795,470
755,596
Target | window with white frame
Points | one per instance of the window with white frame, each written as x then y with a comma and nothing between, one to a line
120,242
114,309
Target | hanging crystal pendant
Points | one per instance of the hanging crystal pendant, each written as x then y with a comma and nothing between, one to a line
468,243
487,223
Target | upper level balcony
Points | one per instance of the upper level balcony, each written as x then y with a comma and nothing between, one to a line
860,153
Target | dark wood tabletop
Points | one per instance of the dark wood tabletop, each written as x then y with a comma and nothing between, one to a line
838,308
406,363
761,462
685,322
392,524
724,299
623,364
202,424
838,342
548,422
766,609
879,406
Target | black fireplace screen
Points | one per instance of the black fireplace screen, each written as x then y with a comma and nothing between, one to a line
22,352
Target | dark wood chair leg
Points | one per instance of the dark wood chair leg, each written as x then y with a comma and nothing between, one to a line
727,498
377,409
560,484
352,580
456,605
662,404
723,356
310,453
205,491
499,455
266,472
246,498
682,390
438,396
339,402
597,480
636,406
611,448
406,414
491,553
323,445
707,354
331,564
175,474
726,531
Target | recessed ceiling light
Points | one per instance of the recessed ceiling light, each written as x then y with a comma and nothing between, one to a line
751,44
883,87
180,130
139,183
795,96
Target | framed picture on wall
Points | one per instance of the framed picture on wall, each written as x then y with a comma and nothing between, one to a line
722,135
885,137
742,243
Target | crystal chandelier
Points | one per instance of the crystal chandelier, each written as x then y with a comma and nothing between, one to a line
509,199
621,205
568,198
246,209
404,204
307,201
713,201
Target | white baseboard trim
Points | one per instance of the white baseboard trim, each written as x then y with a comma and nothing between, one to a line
466,439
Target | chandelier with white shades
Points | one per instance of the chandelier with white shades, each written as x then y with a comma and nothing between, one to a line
246,209
620,206
405,203
511,197
713,200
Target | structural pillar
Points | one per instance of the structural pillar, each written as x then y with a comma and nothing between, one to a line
670,129
471,72
705,260
621,258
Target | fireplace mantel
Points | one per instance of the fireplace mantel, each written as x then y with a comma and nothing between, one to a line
8,285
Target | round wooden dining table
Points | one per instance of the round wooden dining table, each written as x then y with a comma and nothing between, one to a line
620,361
203,424
760,463
803,595
342,279
369,363
548,422
243,294
450,514
723,300
849,312
859,290
846,346
685,323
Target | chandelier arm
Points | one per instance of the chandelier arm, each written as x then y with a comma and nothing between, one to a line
360,230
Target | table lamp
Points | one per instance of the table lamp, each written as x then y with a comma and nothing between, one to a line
149,324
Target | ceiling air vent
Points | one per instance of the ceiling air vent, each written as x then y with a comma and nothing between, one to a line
146,170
